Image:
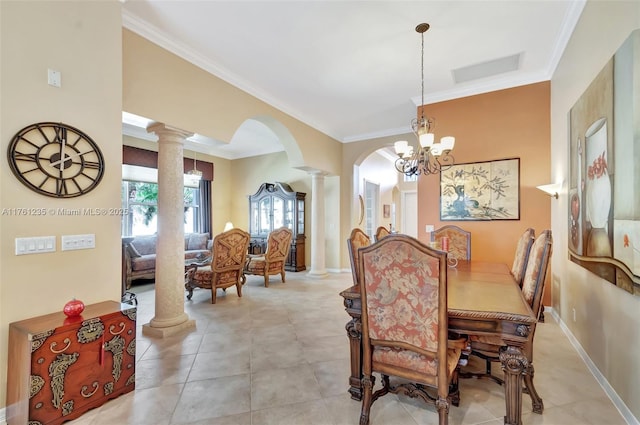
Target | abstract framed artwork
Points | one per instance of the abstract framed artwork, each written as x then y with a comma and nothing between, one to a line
488,190
604,180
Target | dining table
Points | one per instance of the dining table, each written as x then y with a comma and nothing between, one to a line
483,298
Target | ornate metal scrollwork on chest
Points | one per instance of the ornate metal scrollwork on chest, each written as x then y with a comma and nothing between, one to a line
131,380
108,388
38,339
130,313
67,407
116,347
90,330
36,383
57,371
131,348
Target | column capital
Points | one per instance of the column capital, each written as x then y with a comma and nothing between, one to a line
166,131
317,173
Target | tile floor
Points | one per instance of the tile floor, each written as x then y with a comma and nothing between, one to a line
280,356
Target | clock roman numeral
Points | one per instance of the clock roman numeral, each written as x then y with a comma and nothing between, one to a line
61,187
91,164
19,156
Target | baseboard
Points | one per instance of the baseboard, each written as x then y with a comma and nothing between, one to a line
608,389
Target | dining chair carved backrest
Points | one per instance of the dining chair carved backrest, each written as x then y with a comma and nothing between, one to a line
522,255
229,253
403,288
272,262
533,284
381,232
357,239
459,241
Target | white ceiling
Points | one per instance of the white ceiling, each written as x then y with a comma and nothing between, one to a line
351,69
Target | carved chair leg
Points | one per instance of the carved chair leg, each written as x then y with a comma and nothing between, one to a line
214,291
529,388
239,288
367,384
443,410
282,274
189,289
266,279
454,389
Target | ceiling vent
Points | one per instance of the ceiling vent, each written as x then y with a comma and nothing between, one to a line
487,69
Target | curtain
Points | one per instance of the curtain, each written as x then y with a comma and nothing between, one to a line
205,207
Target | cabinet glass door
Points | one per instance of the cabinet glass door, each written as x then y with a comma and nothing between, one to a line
278,213
265,215
288,214
300,217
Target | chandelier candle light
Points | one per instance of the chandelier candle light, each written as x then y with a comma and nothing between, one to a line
427,157
195,175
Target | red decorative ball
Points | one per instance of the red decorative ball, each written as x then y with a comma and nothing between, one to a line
73,308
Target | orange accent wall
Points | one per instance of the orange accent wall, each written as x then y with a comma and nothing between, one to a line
511,123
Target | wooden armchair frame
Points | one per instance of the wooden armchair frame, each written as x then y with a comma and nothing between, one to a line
272,262
229,254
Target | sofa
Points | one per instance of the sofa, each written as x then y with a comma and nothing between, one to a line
139,254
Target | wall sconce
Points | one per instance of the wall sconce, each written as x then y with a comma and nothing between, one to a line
550,189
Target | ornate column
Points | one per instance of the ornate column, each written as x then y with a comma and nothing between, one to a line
170,316
317,225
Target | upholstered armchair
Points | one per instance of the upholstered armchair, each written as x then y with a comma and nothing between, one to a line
459,241
273,260
357,239
403,287
381,232
522,255
533,284
229,254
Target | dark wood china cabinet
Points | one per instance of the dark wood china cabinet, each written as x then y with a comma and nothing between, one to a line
277,205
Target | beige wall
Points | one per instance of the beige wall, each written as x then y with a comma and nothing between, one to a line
160,86
82,40
607,319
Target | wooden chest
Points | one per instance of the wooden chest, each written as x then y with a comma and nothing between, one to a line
59,367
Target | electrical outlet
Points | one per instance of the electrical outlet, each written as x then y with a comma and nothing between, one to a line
54,78
574,314
428,228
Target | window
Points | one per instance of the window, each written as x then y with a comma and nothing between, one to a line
140,200
411,178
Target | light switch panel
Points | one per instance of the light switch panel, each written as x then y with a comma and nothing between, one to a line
35,245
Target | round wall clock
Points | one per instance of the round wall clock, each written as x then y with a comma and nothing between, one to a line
56,159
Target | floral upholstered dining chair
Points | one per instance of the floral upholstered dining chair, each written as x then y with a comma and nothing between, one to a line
381,232
273,260
403,287
229,253
522,255
533,284
357,240
459,241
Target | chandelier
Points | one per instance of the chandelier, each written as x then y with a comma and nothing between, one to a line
426,157
194,176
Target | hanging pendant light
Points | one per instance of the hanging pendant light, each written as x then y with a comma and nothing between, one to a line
427,157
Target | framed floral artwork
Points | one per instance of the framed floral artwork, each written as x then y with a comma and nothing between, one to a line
487,190
604,206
